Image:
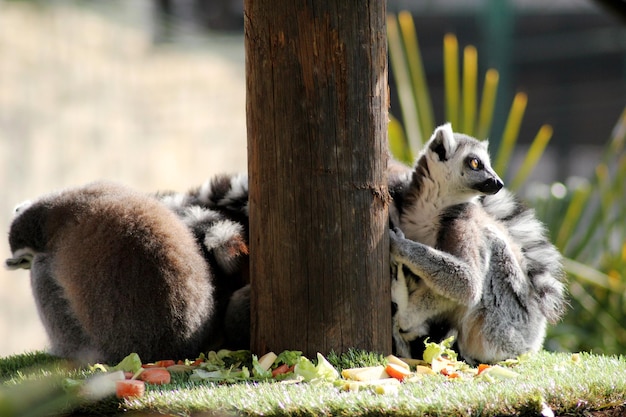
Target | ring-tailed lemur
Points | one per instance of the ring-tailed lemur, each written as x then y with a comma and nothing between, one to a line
114,271
473,260
217,214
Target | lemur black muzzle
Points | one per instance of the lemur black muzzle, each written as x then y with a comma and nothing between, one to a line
490,186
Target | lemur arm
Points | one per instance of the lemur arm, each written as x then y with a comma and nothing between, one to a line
447,275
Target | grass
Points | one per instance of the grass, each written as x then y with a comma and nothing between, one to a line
554,380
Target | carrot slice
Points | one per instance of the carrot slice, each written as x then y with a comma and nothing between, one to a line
449,374
282,369
396,371
129,388
482,367
155,376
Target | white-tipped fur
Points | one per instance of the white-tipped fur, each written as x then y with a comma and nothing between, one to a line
224,192
239,189
207,212
217,214
476,260
21,207
226,239
193,215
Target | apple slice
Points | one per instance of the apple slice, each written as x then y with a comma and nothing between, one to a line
367,373
397,361
266,361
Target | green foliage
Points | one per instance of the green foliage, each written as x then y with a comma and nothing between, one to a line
588,223
586,219
462,109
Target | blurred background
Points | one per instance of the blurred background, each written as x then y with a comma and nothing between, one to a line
152,93
95,89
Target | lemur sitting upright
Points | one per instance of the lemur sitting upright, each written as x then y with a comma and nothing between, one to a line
471,262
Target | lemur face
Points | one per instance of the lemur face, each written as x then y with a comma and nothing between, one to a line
462,162
479,174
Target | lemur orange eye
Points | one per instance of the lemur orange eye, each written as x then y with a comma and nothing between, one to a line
474,163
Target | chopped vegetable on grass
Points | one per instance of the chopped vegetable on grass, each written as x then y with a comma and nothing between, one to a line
227,366
156,376
130,388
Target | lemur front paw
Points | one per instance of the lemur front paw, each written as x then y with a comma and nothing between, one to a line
396,241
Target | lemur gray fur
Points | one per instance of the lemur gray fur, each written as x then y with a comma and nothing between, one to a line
474,261
216,213
115,271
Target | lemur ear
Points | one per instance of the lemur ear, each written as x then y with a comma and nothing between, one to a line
443,142
21,207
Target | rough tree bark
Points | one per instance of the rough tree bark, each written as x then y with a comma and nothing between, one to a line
317,103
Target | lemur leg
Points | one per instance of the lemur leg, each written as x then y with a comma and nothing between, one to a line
446,274
67,339
507,322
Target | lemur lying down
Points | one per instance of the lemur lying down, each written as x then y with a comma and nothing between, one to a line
473,261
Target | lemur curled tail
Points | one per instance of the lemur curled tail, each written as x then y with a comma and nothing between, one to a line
473,260
217,215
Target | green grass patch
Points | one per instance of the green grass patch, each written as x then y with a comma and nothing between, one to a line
11,365
567,384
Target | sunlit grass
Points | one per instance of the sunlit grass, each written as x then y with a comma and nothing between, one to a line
565,383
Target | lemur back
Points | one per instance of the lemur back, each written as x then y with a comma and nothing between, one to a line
113,272
478,264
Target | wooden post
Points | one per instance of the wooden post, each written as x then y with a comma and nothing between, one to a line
317,102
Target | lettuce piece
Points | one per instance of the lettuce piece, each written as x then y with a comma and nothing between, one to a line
323,371
225,358
304,368
288,357
258,371
434,350
131,363
234,357
214,359
227,375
